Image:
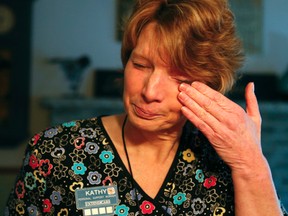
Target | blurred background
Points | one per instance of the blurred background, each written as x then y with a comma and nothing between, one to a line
60,61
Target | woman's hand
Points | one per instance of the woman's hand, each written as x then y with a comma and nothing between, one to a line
235,135
233,132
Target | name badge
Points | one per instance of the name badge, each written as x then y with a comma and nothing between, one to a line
97,200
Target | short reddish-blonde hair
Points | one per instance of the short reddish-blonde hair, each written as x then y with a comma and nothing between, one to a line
198,35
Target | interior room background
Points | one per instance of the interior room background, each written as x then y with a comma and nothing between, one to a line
68,29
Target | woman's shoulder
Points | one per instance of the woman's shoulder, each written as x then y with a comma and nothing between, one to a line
60,158
69,133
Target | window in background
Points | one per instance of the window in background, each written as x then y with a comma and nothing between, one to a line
249,20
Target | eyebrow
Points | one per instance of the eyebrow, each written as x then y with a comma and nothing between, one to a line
138,55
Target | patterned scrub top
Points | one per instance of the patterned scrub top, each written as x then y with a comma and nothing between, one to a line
80,154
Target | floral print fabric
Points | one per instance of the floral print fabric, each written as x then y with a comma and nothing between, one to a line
80,154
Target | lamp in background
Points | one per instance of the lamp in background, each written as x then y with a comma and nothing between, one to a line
73,70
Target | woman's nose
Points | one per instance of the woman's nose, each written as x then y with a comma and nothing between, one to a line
153,89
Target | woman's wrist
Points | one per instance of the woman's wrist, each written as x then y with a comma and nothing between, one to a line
255,169
254,188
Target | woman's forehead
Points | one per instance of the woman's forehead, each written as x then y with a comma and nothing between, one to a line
150,37
150,44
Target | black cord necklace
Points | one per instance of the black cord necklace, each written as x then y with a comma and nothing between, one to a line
129,165
130,168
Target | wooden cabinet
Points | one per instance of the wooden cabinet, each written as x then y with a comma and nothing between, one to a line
15,38
68,109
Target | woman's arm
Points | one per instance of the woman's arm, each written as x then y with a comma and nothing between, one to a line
235,134
255,192
28,195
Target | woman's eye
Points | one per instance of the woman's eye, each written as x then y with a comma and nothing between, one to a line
187,81
137,65
183,81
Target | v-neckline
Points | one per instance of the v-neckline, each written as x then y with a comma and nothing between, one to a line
126,172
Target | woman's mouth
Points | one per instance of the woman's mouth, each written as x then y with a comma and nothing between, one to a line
142,113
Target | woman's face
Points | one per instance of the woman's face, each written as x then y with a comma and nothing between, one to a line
151,87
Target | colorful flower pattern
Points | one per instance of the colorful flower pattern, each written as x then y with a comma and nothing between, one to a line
147,207
79,168
122,210
179,198
80,154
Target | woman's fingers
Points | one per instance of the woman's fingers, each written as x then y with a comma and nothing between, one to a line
208,105
226,124
197,115
252,107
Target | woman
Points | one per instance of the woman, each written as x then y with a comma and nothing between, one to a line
181,148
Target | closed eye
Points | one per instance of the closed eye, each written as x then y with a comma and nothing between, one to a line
183,81
137,65
186,81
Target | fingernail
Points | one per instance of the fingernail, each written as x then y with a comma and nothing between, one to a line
183,86
253,87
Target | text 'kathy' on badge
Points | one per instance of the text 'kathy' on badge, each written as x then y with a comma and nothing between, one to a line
97,200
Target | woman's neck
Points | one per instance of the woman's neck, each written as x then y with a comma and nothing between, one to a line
158,145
